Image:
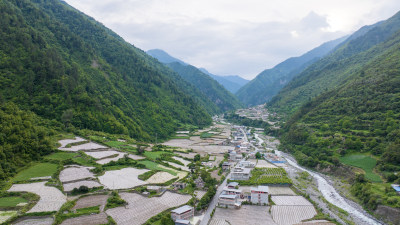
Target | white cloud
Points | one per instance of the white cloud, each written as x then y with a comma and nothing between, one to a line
240,37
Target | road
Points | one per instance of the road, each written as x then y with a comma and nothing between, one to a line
214,202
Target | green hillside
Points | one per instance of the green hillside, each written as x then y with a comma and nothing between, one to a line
216,93
63,65
332,70
268,83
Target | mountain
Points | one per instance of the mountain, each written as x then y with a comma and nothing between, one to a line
354,112
332,70
61,69
220,99
163,57
269,82
232,83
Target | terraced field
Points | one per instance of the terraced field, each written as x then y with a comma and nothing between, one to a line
140,209
51,199
75,172
123,178
88,183
287,215
290,200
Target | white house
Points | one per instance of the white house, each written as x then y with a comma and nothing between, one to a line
259,195
228,201
247,164
232,191
185,212
240,173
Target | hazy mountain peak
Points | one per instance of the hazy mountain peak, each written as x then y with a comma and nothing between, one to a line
163,56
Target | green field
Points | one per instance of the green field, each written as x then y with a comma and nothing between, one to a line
364,162
11,201
154,155
82,161
37,170
154,166
60,156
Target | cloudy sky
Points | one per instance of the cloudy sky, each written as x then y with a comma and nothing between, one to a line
241,37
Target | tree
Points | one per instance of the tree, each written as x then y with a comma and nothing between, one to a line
167,220
258,155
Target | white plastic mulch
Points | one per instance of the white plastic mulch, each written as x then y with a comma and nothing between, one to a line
185,168
102,154
86,146
135,157
123,178
107,160
88,183
290,200
185,162
160,177
70,141
75,172
51,199
140,209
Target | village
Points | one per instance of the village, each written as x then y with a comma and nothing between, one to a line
224,174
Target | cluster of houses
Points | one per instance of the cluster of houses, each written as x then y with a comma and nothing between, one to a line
233,197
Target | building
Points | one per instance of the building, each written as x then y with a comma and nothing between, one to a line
232,191
228,201
185,212
240,173
247,164
259,195
233,185
178,185
226,166
199,183
182,222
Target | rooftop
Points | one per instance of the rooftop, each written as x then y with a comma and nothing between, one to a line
182,209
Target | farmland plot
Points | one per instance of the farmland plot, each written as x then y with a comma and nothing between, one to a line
200,194
185,168
102,154
160,177
292,214
5,215
280,191
74,173
89,201
88,183
51,199
189,155
70,141
290,200
185,162
247,214
140,209
87,146
107,160
95,219
35,221
135,157
264,164
123,178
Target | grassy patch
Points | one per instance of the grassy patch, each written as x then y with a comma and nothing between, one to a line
154,155
154,166
387,193
206,135
114,201
37,170
61,156
11,201
89,210
364,162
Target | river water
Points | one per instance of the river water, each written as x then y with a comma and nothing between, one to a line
330,193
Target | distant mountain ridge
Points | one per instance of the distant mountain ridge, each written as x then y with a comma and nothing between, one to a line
269,82
232,83
222,100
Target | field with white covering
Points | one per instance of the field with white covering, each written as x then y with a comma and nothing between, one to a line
290,200
107,160
70,141
185,168
75,172
123,178
35,221
5,215
292,214
135,157
280,191
140,209
185,162
247,214
51,199
102,154
88,183
160,177
86,146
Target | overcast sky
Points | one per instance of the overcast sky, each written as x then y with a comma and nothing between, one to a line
241,37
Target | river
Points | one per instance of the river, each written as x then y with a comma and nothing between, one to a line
330,193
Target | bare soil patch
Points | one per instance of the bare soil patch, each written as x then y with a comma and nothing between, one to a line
89,201
96,219
247,214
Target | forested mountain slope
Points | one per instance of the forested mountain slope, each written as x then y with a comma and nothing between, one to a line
216,93
56,61
332,70
219,99
268,83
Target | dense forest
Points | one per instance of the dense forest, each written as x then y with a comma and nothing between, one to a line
63,65
269,82
349,105
60,69
216,93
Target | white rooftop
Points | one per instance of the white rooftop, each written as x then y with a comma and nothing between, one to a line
182,209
